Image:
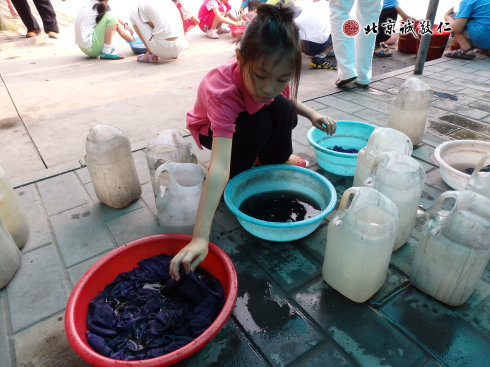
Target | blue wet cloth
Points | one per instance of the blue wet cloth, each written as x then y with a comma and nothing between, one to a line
144,313
337,148
470,170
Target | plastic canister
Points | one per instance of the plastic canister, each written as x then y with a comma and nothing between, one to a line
401,178
382,139
409,110
360,241
111,166
169,145
453,249
11,213
177,202
10,257
480,181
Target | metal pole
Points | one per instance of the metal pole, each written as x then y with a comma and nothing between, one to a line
424,41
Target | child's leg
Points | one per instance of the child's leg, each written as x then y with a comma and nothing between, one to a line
103,33
279,146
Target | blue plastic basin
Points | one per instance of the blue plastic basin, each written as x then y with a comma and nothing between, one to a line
138,47
349,135
280,177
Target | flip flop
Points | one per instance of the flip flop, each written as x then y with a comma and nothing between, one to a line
342,83
295,160
148,58
384,51
461,54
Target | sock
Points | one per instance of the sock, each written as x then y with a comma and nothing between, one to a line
107,48
321,55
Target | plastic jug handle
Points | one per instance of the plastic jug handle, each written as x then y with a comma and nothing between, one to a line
352,191
163,167
381,157
444,196
480,164
408,147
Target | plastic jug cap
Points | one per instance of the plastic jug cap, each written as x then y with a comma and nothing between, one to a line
100,133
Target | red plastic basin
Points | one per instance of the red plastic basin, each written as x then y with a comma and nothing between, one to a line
125,258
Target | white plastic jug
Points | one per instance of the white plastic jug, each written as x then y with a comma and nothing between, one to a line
480,181
454,248
177,202
382,139
11,213
409,110
401,178
360,241
9,256
169,145
111,166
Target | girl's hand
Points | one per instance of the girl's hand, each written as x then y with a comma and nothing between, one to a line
325,123
190,256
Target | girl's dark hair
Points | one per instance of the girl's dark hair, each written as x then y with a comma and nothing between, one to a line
102,7
273,33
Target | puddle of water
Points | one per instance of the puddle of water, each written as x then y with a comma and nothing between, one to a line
443,95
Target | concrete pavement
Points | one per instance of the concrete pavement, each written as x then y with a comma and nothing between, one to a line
285,314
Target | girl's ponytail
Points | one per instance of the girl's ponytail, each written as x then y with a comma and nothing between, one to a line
102,7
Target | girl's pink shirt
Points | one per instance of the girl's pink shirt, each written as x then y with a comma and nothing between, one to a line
221,96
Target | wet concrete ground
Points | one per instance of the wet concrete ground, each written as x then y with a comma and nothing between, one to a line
285,314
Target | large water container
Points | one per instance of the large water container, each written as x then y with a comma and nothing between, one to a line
11,213
169,145
401,178
177,201
382,139
360,241
409,110
453,249
10,257
111,166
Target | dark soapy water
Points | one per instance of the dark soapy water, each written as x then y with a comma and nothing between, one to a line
280,206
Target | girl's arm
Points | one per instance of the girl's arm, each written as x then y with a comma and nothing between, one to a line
217,177
322,122
223,19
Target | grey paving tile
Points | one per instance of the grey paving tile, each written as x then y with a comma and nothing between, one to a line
285,262
433,178
229,348
327,355
338,114
439,328
373,116
440,127
475,310
315,104
61,193
451,73
395,81
280,332
394,281
366,99
38,289
474,84
433,139
458,109
80,234
315,243
106,212
6,359
141,166
365,336
430,195
475,93
27,194
39,231
442,86
300,133
148,197
133,225
423,152
304,151
76,271
224,220
340,104
83,175
402,258
45,344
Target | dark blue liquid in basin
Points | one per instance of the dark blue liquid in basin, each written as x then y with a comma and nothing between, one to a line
280,206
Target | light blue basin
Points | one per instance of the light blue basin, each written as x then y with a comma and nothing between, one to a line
349,134
280,177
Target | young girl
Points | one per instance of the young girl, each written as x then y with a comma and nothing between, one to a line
243,112
95,26
212,14
188,19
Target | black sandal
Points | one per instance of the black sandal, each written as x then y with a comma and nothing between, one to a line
461,54
342,83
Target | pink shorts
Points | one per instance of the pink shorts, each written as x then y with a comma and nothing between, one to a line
207,19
